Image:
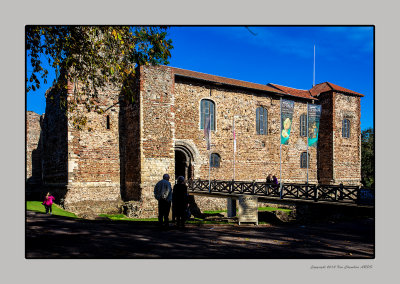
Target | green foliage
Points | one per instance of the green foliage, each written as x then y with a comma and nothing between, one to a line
38,207
93,58
368,157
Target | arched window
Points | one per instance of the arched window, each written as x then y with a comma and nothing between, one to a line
303,160
215,160
261,121
346,128
207,109
303,125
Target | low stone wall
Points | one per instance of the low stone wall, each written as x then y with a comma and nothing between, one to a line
210,204
141,209
90,209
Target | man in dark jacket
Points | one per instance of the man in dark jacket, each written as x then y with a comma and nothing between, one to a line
163,193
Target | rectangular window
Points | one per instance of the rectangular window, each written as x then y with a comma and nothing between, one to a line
108,122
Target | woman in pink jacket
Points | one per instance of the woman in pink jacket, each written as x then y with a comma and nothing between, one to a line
48,202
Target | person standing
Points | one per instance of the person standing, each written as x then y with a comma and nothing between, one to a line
275,181
180,201
48,203
269,178
163,193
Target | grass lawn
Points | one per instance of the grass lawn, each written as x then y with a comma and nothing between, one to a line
38,207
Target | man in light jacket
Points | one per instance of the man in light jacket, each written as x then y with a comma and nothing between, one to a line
163,193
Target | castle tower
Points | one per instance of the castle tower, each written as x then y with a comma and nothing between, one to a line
339,145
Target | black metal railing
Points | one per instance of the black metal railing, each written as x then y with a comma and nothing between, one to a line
316,192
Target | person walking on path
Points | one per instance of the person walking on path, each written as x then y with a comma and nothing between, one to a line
48,202
180,201
163,193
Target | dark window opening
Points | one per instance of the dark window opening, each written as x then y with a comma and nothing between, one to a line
261,121
108,122
215,160
346,128
303,160
303,125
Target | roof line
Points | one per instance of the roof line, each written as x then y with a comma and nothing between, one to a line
308,91
330,86
288,87
227,84
224,80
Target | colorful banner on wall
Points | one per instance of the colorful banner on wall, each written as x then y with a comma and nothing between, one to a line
286,120
314,114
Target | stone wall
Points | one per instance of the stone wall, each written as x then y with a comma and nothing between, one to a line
256,155
94,153
325,140
54,145
129,136
33,149
157,132
339,157
123,152
347,151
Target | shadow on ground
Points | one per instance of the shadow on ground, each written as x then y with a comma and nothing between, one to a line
59,237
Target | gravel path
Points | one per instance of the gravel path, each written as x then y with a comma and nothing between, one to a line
58,237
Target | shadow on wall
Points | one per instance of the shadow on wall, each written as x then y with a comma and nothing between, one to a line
50,158
129,140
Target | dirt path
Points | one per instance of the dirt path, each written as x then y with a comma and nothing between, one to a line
58,237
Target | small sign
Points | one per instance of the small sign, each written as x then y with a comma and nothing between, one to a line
248,209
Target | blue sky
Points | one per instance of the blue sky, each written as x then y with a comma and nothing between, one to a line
281,55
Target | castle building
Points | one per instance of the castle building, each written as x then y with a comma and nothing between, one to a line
121,153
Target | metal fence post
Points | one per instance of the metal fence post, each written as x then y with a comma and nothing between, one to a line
316,194
341,192
358,195
253,187
281,190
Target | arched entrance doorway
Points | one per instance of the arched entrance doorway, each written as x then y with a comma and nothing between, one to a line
183,162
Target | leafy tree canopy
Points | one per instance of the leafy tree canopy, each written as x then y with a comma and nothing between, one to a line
368,157
94,56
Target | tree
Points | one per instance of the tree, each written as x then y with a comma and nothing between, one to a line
368,157
93,56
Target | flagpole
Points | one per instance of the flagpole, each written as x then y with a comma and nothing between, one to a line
234,147
307,142
314,68
280,143
209,162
